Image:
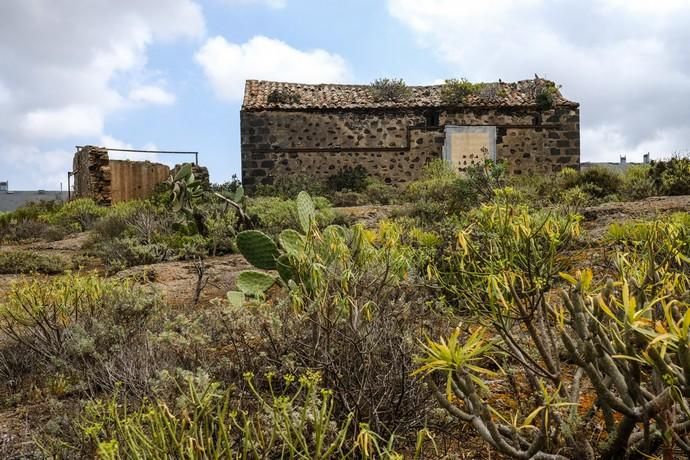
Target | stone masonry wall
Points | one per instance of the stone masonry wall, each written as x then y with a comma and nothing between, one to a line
394,145
92,175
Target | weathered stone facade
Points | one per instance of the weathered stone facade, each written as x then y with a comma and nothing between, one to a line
92,175
392,142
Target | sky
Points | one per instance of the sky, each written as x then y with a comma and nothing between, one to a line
169,74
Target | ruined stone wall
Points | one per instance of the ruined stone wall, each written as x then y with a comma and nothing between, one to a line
394,144
112,181
92,175
132,180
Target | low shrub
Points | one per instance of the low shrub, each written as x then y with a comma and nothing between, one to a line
600,182
120,253
454,91
671,177
389,90
380,193
76,215
292,419
31,262
90,328
274,214
636,183
439,193
27,223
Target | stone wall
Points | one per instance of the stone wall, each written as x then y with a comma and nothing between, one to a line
92,176
394,144
112,181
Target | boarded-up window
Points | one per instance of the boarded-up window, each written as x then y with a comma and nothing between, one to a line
469,145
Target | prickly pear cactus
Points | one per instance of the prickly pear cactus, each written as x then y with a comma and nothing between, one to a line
305,211
258,248
254,283
291,241
235,298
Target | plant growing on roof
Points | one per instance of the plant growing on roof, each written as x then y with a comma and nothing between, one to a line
455,91
389,90
283,96
545,96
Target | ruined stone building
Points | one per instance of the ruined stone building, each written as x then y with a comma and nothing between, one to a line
109,181
290,128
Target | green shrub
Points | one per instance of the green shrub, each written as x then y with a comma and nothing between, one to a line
389,90
76,215
546,96
274,214
31,262
574,198
349,199
454,91
600,182
637,183
439,193
347,284
37,312
348,179
28,223
381,193
671,177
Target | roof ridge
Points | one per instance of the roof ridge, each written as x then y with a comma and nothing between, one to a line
258,95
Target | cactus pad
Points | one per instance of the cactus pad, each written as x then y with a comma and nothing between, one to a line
291,241
305,211
254,283
258,248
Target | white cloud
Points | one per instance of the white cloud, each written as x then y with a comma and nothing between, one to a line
150,94
68,121
63,65
227,65
624,60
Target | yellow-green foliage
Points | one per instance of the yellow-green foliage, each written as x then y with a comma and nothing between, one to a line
31,262
36,312
76,215
275,214
208,422
454,91
503,247
637,183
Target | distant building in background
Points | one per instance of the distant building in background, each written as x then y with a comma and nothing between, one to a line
621,166
12,199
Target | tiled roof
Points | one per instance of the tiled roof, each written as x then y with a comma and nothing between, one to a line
296,96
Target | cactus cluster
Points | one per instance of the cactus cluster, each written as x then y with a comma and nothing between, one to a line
263,252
